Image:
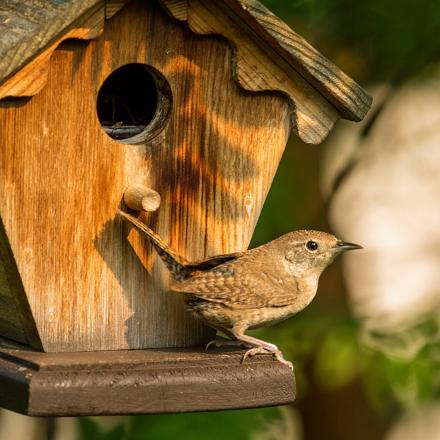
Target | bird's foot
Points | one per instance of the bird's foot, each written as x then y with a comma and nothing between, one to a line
267,349
253,352
280,358
226,343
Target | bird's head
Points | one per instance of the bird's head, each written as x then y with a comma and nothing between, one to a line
310,252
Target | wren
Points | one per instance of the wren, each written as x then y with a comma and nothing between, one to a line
245,290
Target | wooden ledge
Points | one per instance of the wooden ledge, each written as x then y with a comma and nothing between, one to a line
138,381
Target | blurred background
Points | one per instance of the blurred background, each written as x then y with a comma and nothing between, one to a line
367,351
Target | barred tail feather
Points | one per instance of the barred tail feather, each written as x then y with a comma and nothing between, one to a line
175,264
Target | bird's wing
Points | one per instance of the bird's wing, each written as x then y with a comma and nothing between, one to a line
211,262
234,287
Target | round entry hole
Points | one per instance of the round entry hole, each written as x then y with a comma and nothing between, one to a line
134,103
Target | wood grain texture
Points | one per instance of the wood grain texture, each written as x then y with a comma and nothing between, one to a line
27,28
139,197
92,282
139,382
112,7
10,323
177,8
31,78
270,56
16,321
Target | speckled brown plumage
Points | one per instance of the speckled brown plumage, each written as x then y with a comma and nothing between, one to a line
237,292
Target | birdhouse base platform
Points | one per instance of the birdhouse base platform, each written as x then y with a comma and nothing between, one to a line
138,381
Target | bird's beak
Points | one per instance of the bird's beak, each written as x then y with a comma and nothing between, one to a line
344,246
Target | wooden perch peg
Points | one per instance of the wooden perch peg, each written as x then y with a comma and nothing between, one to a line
141,198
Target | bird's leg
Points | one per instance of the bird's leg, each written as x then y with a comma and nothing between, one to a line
233,341
260,347
271,348
262,350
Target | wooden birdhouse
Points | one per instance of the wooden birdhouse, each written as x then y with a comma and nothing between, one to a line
184,107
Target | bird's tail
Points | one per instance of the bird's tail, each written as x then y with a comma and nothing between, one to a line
176,264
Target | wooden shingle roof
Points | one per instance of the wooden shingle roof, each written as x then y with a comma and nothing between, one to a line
28,27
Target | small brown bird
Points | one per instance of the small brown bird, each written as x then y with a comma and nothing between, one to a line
236,292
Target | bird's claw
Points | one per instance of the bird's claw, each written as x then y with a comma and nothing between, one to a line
253,352
280,358
224,343
266,350
210,344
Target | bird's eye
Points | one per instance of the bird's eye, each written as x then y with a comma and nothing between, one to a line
312,245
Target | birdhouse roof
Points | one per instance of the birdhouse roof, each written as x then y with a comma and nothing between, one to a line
347,96
284,61
27,28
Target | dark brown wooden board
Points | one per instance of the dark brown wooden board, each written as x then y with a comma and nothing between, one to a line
138,381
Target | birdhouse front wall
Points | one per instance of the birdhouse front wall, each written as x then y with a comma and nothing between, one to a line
90,281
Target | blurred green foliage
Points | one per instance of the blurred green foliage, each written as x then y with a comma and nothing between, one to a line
407,376
399,371
220,425
374,40
294,200
326,343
